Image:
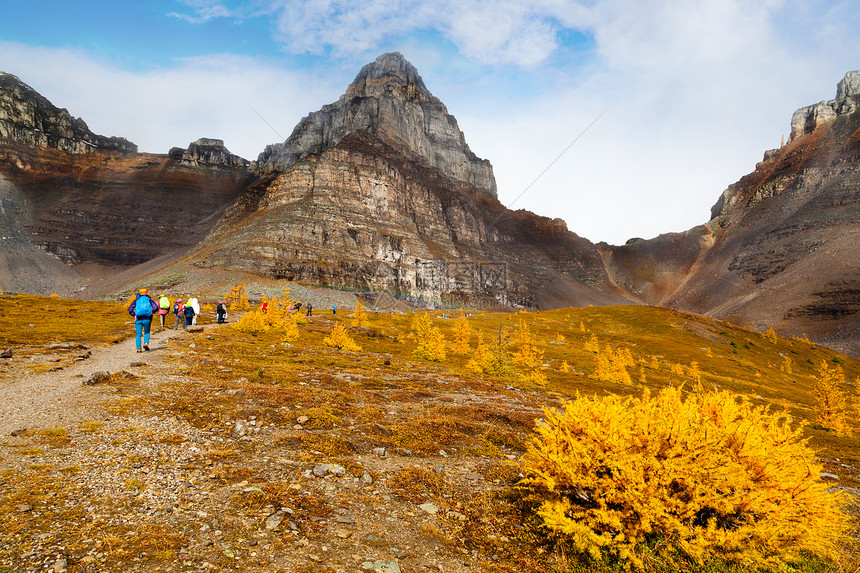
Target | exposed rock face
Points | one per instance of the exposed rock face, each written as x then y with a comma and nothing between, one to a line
389,100
206,151
23,266
807,119
88,198
787,237
29,119
361,214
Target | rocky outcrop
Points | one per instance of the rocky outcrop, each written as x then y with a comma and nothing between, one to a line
117,209
94,199
29,119
389,100
808,119
786,236
363,215
207,152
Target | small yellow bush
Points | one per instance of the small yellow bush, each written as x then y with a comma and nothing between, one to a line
340,338
280,316
462,334
529,357
237,299
253,322
611,366
359,317
830,398
706,475
771,335
431,341
593,344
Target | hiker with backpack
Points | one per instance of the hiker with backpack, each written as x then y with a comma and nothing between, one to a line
221,310
142,308
189,314
163,308
179,311
194,304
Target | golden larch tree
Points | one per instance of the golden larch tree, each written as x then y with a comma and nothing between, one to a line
830,398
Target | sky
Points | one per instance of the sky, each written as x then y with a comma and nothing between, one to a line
625,118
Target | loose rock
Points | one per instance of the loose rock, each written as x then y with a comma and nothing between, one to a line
97,378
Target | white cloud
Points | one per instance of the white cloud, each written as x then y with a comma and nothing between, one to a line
217,96
204,10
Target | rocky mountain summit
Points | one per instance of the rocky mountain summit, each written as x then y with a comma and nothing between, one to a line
379,191
786,237
93,202
205,151
389,100
807,119
29,119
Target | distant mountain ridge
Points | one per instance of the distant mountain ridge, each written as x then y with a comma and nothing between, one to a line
379,191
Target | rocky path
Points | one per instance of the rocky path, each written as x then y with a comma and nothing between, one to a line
57,398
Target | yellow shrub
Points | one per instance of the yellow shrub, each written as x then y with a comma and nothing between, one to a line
528,356
253,322
771,335
830,398
706,475
593,344
340,338
280,316
694,372
359,317
431,341
480,358
611,366
786,365
565,367
495,361
237,299
462,334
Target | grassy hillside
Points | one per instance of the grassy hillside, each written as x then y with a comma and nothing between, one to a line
451,436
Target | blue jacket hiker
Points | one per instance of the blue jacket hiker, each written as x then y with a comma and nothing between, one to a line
142,308
189,314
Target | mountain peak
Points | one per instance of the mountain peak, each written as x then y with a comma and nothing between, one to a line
388,100
390,74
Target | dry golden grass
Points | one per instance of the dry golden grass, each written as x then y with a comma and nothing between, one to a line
57,320
383,396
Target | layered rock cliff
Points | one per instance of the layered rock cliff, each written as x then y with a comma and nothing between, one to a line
787,236
29,119
389,100
86,198
363,215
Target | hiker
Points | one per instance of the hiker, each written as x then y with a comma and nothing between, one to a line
163,308
310,309
142,308
179,311
195,304
265,306
334,309
189,314
221,310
